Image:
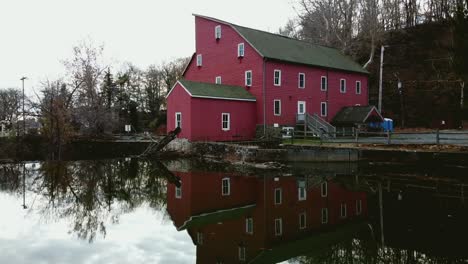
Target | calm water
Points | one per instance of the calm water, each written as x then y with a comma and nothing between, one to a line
139,211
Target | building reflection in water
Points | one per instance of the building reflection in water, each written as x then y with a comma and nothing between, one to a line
233,218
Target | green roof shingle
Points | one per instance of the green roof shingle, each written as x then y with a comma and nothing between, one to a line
216,91
283,48
355,115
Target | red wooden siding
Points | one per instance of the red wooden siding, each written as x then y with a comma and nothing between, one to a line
220,59
290,94
179,101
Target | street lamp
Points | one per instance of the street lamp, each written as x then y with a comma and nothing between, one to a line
24,120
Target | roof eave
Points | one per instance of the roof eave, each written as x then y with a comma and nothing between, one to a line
317,66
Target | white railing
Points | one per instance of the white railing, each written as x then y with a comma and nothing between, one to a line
317,124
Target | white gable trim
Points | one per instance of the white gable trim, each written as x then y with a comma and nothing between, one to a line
172,89
372,109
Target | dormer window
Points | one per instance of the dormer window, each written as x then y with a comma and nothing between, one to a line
218,32
199,60
240,50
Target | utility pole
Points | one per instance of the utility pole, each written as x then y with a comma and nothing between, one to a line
382,50
24,120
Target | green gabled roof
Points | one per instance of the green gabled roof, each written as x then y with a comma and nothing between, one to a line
216,91
278,47
216,217
283,48
355,115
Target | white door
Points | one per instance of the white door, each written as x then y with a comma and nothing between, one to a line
301,110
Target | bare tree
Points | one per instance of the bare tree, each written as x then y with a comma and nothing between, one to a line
85,74
9,104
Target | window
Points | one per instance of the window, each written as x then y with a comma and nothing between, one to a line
199,238
358,207
218,32
343,210
248,78
278,227
358,87
301,82
324,215
277,78
178,192
226,186
278,196
226,121
178,119
240,50
342,86
324,83
302,192
241,253
302,221
323,109
249,225
199,60
218,80
324,189
277,107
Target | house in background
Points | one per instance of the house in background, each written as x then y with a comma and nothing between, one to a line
288,80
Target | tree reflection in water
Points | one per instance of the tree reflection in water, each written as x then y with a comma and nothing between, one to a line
89,193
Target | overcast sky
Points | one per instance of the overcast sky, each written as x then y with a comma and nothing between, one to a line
36,35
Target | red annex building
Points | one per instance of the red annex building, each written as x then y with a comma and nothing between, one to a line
264,80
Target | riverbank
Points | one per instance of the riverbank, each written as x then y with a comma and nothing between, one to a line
253,152
322,153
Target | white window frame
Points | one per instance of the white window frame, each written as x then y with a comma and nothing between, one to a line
358,207
242,253
358,84
228,180
299,196
278,223
342,87
178,121
228,121
324,215
343,210
322,88
249,225
324,189
240,50
280,196
248,79
274,107
301,224
299,80
199,60
279,78
218,32
178,192
218,80
322,113
199,238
